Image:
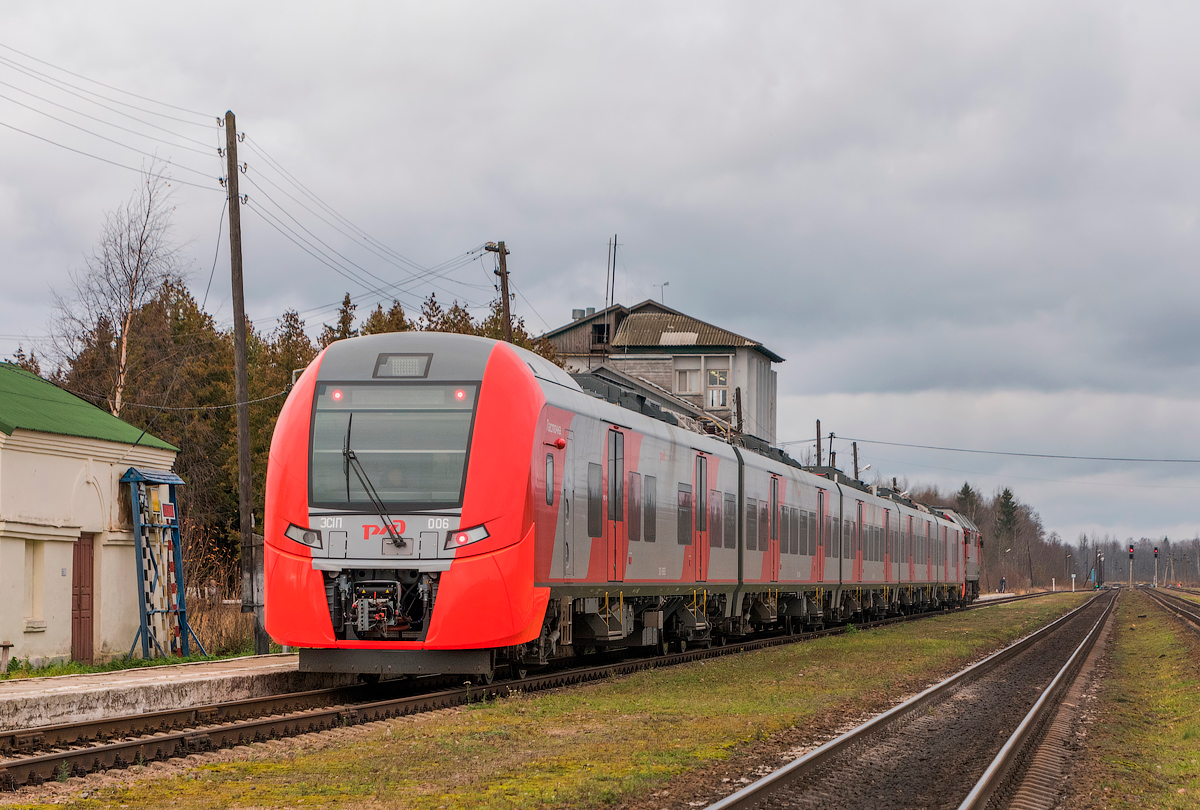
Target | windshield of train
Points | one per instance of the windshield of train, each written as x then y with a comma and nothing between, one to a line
410,438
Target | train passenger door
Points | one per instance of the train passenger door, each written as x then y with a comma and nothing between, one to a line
887,545
773,545
567,507
700,521
614,525
822,535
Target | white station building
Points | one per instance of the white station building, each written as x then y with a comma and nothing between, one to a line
68,571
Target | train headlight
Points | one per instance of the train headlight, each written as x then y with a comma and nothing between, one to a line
465,537
305,537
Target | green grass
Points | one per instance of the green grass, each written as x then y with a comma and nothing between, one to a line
608,742
1146,740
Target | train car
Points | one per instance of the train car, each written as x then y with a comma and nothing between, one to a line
446,503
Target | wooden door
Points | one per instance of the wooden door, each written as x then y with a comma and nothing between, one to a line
82,585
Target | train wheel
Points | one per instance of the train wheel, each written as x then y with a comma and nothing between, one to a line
484,678
681,645
661,648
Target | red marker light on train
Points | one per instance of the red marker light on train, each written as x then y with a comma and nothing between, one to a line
337,394
460,395
464,537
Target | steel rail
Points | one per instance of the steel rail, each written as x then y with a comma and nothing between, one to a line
781,779
186,731
1016,745
1184,608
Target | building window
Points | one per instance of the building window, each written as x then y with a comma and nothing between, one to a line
687,381
718,388
35,561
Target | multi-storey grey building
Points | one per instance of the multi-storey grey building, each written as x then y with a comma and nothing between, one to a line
679,356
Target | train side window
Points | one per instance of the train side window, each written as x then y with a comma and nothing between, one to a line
833,536
701,493
635,507
730,520
812,534
751,524
774,508
550,479
616,475
683,517
802,531
650,501
785,531
714,518
764,526
595,500
795,539
848,538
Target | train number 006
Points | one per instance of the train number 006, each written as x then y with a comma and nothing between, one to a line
439,523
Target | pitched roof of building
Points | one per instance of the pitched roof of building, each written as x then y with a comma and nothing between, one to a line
30,403
671,328
650,324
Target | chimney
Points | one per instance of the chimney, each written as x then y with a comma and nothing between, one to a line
576,314
590,312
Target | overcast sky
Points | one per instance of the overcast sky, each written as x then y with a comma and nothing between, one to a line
966,225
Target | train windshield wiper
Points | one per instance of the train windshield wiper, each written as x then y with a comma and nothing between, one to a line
350,461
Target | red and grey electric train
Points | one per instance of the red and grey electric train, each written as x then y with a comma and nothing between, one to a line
445,503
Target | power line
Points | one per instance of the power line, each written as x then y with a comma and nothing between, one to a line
207,151
104,160
1010,453
110,140
62,85
216,252
102,84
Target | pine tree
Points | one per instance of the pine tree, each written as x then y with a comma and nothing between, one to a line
394,320
29,363
967,501
344,326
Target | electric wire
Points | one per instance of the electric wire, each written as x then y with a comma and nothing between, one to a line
207,151
103,159
62,85
168,161
102,84
216,251
1019,455
112,110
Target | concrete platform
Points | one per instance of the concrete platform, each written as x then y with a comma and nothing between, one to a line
29,702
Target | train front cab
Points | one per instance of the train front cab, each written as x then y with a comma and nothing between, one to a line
399,533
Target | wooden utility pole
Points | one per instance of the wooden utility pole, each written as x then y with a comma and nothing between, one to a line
498,247
854,447
818,442
251,598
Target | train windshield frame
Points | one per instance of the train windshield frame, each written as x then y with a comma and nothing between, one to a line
412,439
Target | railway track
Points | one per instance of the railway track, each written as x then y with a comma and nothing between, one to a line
930,750
1186,609
35,755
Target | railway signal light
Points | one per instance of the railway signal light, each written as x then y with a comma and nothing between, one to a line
1131,551
1156,552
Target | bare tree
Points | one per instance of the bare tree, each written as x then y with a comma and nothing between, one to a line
132,261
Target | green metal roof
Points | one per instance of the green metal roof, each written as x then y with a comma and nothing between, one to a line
30,403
